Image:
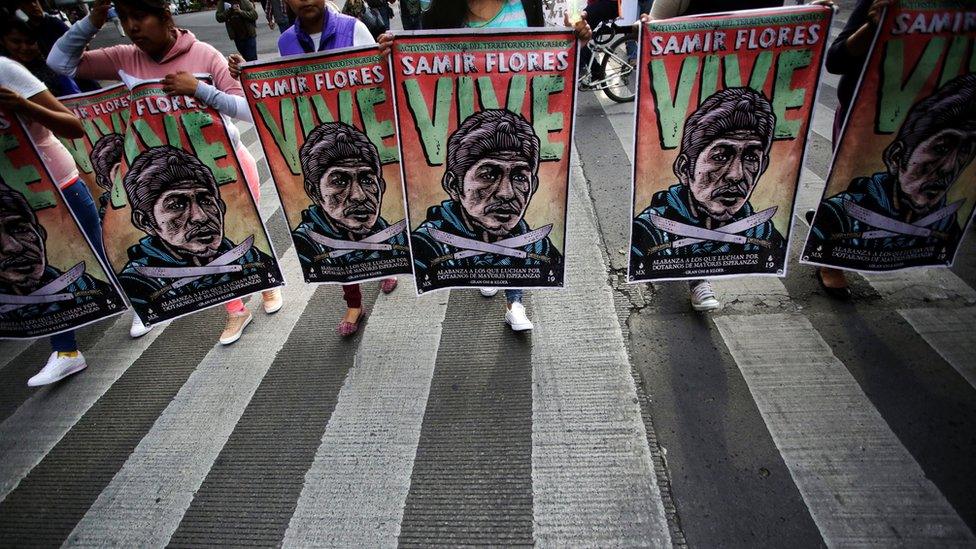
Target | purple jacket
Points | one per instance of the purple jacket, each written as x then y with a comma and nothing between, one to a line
337,32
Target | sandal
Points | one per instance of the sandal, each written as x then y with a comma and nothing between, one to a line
346,329
387,285
842,293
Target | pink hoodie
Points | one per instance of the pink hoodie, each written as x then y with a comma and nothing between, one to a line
187,54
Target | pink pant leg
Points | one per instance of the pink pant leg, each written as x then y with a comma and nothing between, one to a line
250,168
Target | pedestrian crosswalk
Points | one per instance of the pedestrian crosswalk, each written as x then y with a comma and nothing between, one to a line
785,418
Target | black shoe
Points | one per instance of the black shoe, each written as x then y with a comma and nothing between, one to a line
809,216
842,294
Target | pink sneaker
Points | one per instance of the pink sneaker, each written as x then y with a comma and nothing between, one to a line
387,285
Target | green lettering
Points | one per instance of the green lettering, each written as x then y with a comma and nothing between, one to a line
953,62
375,129
304,113
672,108
139,130
709,77
898,93
20,179
79,152
486,94
207,152
284,135
544,121
465,97
786,98
345,107
432,129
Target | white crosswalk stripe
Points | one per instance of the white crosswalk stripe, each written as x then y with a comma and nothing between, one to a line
590,458
861,485
144,503
950,333
356,489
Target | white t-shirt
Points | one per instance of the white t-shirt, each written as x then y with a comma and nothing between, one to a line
55,156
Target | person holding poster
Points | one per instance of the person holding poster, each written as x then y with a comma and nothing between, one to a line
908,199
846,57
332,156
724,153
19,43
492,171
723,217
902,185
32,288
176,202
161,50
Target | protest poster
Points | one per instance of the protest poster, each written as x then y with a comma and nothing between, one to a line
557,12
485,120
326,123
51,278
182,231
902,185
723,109
104,114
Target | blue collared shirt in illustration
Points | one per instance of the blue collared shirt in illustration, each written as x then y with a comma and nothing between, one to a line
85,289
447,217
311,252
878,193
674,204
149,252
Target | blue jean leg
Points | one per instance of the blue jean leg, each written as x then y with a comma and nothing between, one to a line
513,296
83,206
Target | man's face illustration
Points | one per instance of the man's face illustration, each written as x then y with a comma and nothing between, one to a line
496,190
933,166
22,257
725,174
350,194
189,219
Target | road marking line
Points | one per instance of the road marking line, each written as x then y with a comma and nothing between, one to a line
147,498
950,333
42,420
11,349
861,485
592,475
356,489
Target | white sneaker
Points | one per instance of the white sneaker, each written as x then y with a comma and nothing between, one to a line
57,368
516,318
703,297
488,292
138,329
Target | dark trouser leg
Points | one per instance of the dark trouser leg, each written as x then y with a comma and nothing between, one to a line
248,48
353,296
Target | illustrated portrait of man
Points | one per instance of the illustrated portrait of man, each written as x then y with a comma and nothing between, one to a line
906,204
491,176
106,157
724,153
30,287
343,178
175,200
